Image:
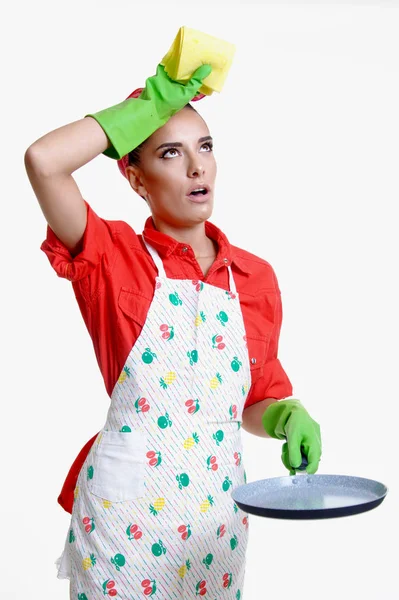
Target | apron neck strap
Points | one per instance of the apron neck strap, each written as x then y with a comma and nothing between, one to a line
232,283
156,258
161,271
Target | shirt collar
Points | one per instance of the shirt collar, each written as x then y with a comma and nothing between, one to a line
165,245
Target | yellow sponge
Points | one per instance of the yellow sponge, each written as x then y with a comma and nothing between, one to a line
190,50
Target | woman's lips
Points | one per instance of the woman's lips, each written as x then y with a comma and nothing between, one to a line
199,198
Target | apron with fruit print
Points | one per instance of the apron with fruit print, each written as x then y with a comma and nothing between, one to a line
153,514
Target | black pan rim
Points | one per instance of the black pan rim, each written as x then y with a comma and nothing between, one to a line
319,513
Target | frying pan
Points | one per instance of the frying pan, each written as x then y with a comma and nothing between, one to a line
304,496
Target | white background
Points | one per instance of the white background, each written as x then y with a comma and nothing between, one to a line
306,136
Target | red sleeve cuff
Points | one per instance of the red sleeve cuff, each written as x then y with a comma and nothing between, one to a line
97,241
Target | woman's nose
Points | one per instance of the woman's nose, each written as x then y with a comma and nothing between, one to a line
196,167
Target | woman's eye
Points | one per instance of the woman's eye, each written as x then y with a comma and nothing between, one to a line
167,151
210,146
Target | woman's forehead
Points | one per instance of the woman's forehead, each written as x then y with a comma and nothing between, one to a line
186,126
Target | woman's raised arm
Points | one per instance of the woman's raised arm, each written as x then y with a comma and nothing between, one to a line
50,162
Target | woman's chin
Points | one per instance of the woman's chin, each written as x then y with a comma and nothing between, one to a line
196,213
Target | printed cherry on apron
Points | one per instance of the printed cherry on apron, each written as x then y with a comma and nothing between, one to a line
153,514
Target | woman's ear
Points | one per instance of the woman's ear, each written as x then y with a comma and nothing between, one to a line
135,180
131,176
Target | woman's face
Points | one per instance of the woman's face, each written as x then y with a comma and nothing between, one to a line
168,173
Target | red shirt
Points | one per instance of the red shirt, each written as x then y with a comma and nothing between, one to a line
113,281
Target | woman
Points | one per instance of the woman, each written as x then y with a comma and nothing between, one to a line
185,327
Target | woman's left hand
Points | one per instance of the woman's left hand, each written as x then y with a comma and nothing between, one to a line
288,419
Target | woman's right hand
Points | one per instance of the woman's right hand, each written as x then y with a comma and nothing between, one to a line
170,96
132,121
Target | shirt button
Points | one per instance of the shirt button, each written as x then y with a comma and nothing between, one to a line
226,260
253,361
184,249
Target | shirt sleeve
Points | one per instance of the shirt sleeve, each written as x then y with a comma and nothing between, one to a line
274,382
98,247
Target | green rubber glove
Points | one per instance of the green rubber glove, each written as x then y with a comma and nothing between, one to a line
132,121
288,419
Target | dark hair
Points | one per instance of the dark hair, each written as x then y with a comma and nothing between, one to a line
134,155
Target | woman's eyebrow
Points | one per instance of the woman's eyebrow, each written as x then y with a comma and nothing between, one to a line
178,144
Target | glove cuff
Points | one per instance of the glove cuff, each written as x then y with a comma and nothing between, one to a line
127,125
276,416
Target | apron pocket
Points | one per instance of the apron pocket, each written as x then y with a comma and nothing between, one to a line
119,466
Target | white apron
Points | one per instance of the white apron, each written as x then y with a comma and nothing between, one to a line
153,514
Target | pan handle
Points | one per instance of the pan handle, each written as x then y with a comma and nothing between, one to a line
304,463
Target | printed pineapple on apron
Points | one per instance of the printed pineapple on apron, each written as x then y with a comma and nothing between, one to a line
153,514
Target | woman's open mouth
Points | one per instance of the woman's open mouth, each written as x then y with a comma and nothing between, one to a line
200,194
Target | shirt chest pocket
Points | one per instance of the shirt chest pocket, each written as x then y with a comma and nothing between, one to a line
118,469
133,307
